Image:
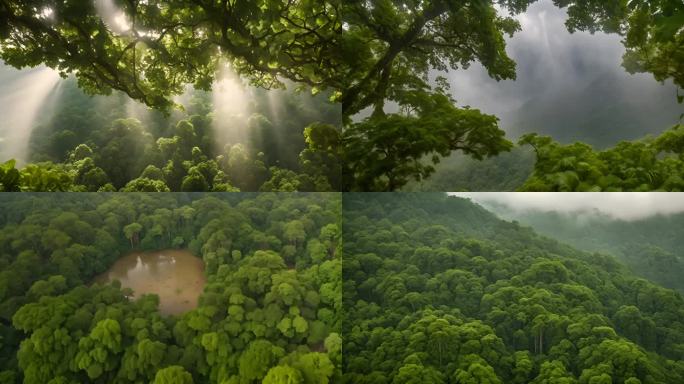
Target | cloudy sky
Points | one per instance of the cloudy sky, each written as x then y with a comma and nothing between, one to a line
571,86
621,205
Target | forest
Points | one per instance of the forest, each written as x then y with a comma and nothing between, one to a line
161,97
458,172
541,164
270,311
439,290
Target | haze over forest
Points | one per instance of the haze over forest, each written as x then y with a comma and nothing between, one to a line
643,230
31,99
233,137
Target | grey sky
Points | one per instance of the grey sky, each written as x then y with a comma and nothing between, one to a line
571,86
546,55
621,205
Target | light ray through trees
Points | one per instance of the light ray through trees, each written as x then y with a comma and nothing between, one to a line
231,107
22,102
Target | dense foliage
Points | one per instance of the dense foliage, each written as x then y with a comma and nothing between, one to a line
368,54
152,50
651,247
646,165
439,290
283,142
270,311
391,46
541,164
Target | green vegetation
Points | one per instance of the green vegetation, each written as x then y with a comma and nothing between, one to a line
646,165
651,247
152,50
158,54
649,164
439,290
270,311
365,55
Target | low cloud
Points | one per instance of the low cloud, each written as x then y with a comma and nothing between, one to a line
619,205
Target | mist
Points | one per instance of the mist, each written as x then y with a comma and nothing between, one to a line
569,86
628,206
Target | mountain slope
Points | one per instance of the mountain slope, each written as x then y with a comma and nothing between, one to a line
652,247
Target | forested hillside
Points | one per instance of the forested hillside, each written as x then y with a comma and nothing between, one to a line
270,311
439,290
651,247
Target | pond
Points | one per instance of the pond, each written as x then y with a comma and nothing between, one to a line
176,276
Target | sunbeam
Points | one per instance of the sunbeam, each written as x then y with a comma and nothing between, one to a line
115,19
21,101
231,108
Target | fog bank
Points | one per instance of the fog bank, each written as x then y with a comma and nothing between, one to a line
619,205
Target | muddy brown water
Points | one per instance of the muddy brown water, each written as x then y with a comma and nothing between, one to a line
177,276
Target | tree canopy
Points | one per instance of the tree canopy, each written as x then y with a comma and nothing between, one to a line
652,164
649,246
383,61
151,50
393,46
440,290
